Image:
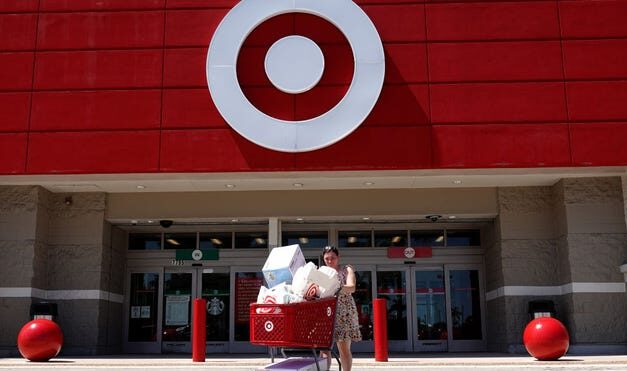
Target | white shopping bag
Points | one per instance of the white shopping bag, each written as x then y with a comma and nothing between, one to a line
310,283
279,294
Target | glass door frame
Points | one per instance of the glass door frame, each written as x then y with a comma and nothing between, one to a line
149,347
367,345
399,345
241,346
212,346
450,345
466,345
196,293
428,345
179,346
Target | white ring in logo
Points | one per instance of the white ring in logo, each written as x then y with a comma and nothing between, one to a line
306,135
269,326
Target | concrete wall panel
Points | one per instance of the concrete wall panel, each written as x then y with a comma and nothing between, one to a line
18,213
529,262
596,257
624,189
493,263
564,268
74,267
497,334
598,318
119,245
592,190
79,320
17,263
15,314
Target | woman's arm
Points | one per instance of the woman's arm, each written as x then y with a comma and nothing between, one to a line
349,287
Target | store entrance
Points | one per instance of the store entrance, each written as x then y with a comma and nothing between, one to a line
433,309
160,305
180,288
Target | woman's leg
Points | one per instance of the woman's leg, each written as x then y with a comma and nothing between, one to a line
346,357
327,354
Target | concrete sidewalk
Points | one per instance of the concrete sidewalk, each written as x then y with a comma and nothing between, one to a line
460,361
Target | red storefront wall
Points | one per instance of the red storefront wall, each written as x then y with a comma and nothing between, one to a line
118,86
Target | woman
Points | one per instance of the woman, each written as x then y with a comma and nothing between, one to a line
346,320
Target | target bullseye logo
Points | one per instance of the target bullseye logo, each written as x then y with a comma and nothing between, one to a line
295,64
269,326
311,292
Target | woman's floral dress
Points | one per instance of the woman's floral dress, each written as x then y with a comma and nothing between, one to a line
346,321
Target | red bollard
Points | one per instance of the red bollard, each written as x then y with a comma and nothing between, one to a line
199,330
380,330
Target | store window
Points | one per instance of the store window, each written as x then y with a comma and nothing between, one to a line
179,241
309,239
251,240
144,241
432,238
217,240
462,238
354,239
390,238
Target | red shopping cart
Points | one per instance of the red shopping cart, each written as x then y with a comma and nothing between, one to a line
308,324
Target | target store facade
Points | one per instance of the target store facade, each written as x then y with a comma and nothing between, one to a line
468,159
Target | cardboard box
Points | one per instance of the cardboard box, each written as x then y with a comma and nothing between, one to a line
281,265
297,364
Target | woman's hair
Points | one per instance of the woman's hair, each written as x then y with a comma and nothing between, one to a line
328,249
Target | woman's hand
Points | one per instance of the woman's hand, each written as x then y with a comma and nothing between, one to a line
349,287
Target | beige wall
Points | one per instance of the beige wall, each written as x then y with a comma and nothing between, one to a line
594,243
23,243
565,243
60,252
524,254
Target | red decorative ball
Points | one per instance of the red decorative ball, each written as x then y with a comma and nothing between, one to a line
39,340
546,339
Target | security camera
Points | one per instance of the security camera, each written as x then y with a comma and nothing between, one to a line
166,223
433,218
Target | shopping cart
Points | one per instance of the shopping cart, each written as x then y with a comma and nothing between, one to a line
308,324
